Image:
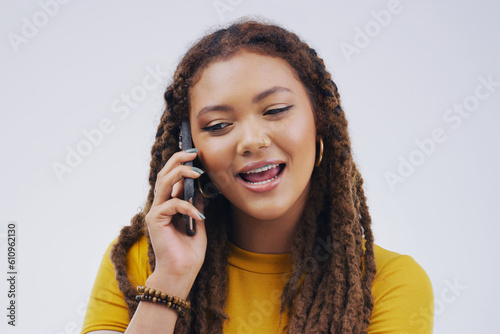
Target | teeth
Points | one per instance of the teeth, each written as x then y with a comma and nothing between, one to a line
262,182
261,169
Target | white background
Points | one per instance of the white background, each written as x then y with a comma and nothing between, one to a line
65,76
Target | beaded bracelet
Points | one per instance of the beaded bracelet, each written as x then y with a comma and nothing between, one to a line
156,296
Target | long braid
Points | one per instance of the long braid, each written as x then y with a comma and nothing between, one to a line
128,236
302,251
369,255
332,296
212,279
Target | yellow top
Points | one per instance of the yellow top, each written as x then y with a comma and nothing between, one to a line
403,295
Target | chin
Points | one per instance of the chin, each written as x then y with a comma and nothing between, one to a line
270,211
265,216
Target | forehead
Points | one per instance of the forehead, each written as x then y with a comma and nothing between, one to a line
243,71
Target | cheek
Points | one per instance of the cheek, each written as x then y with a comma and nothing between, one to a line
215,156
300,135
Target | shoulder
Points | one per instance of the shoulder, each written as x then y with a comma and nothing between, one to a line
403,294
392,266
137,260
139,247
137,268
107,309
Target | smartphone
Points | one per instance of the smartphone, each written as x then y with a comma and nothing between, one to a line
186,142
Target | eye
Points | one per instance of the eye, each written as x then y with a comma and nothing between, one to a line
278,110
215,127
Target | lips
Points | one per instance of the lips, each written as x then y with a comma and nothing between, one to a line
262,175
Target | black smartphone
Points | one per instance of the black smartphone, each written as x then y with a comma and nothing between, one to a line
186,142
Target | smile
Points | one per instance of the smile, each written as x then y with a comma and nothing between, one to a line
263,178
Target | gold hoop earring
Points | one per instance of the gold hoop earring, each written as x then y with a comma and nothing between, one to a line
318,160
211,192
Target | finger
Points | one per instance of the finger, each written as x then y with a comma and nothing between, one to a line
178,158
165,184
162,214
178,189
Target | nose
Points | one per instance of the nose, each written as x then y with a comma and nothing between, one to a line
252,138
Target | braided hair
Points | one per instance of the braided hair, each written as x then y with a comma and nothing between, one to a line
331,294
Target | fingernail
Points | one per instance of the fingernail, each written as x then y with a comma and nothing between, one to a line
191,150
197,170
201,215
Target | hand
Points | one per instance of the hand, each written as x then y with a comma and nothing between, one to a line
179,257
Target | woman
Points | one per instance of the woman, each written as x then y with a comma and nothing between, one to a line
287,244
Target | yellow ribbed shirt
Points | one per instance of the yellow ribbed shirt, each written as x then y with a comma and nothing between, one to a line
402,291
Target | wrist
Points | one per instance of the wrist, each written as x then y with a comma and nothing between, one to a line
172,285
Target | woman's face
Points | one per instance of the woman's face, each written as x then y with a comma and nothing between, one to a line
254,126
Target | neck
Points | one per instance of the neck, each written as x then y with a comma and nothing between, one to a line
265,236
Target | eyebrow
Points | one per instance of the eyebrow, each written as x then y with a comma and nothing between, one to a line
256,99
